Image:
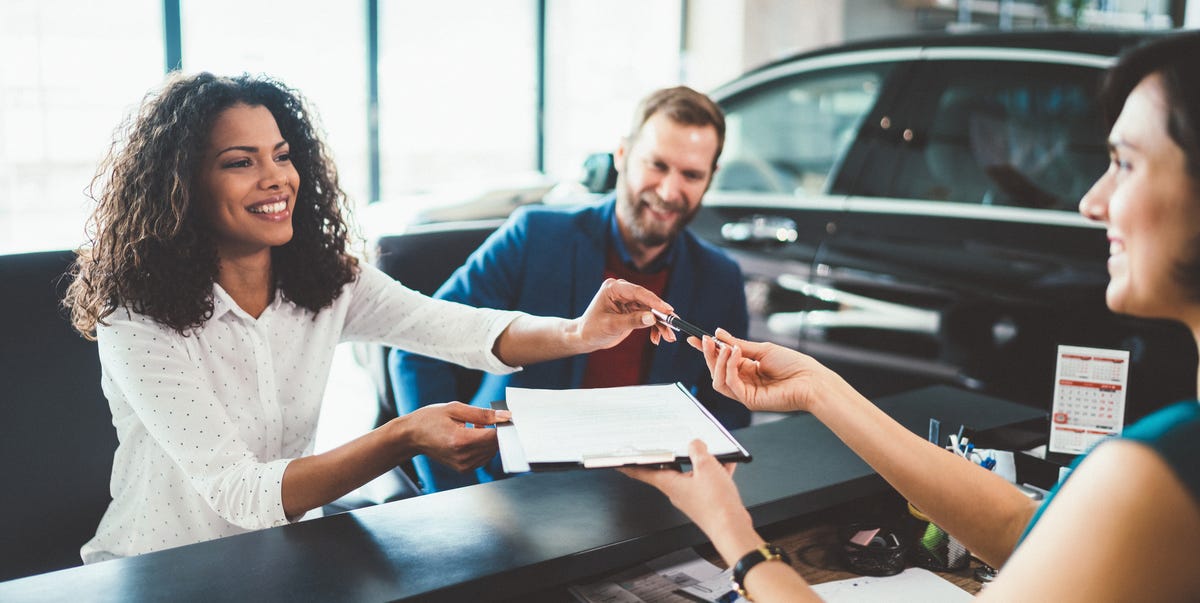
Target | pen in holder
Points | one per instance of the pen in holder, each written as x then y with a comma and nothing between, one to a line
935,549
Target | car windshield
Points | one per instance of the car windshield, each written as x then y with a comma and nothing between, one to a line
992,133
787,137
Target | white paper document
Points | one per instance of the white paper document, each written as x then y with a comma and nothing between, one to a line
606,427
913,585
683,577
662,580
1089,397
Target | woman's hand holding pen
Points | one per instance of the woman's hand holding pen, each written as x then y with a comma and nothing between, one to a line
763,376
619,308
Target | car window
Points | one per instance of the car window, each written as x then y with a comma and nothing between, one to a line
996,133
787,136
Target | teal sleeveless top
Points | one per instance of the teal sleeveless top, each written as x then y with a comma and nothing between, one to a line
1173,432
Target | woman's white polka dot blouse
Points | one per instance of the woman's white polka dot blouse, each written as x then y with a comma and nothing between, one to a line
207,423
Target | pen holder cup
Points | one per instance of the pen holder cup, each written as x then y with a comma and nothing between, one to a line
873,549
935,549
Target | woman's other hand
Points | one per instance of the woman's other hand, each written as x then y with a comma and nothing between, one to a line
709,497
763,376
441,432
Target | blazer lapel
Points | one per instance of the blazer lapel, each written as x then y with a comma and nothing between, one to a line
588,270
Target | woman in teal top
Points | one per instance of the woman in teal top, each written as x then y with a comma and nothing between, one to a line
1126,525
1174,433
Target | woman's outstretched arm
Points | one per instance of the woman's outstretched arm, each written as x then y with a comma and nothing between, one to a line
618,309
948,488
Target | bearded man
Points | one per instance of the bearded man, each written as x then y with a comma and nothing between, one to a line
550,260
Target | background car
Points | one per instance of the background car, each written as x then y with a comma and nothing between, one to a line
905,211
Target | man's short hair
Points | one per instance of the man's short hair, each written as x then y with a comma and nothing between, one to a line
684,106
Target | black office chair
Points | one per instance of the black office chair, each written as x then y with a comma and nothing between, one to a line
423,258
56,434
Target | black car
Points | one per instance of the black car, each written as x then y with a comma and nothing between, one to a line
905,211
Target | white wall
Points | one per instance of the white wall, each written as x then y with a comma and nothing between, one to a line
715,40
726,38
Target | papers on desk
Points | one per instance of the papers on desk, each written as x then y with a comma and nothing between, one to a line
913,585
608,427
684,577
680,577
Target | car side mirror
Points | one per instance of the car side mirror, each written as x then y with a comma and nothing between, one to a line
599,173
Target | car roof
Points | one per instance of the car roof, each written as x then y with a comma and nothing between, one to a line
1103,43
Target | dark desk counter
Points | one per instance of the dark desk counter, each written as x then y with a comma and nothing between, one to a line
813,543
504,539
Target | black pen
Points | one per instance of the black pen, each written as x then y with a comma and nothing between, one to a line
678,324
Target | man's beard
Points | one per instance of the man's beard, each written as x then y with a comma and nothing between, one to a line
644,228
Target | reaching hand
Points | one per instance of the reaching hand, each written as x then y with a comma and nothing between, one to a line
619,308
706,494
440,431
763,376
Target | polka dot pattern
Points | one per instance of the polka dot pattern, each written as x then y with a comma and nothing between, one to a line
208,423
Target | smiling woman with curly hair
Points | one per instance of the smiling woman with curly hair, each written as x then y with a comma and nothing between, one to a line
151,255
217,284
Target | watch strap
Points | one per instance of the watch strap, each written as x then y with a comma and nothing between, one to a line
765,552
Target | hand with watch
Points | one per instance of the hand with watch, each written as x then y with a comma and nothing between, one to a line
708,495
765,552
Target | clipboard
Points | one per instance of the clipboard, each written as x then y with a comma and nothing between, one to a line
645,425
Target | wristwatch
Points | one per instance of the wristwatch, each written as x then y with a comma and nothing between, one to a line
765,552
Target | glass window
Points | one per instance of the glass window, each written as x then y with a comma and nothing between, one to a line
1016,134
787,137
601,59
314,46
457,93
69,73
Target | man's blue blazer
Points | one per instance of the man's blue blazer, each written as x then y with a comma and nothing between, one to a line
549,261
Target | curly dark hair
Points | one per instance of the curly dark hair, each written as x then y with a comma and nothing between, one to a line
151,252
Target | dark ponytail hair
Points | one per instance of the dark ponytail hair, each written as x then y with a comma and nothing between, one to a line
1174,58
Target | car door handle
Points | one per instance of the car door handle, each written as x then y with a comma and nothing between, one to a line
761,229
860,311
